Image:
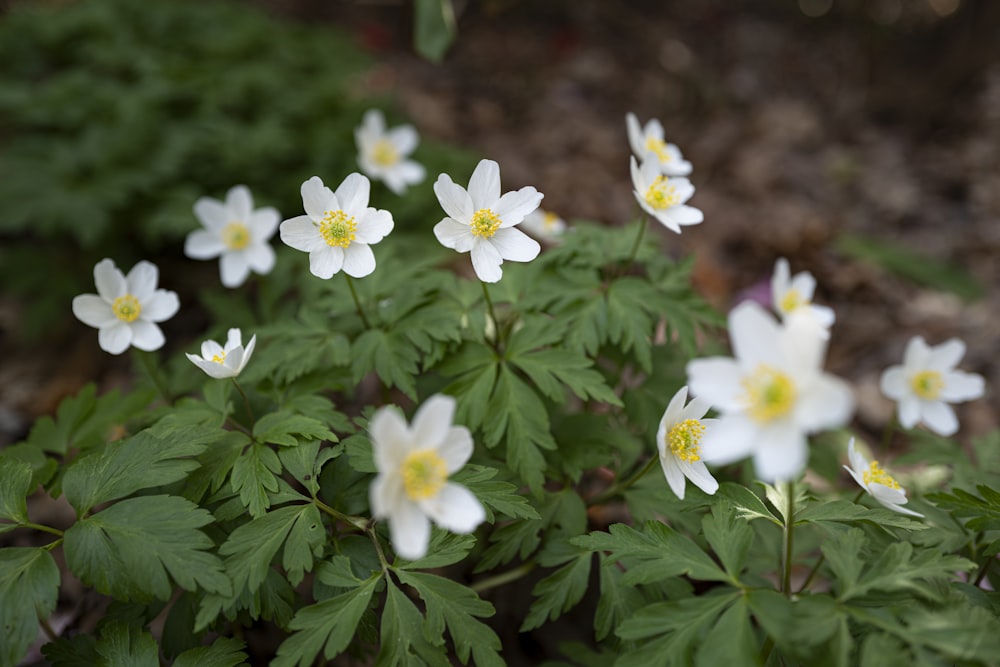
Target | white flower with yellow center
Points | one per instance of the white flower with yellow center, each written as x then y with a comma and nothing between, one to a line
224,362
877,482
927,381
414,463
382,153
125,309
663,197
771,394
649,139
544,225
338,227
236,233
482,222
678,440
792,294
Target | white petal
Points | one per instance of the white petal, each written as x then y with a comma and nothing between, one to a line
316,200
804,284
404,138
432,420
456,448
452,234
326,262
353,194
109,280
823,315
755,336
260,258
909,409
732,438
960,386
161,305
780,282
234,362
781,454
857,478
263,223
147,336
203,244
247,351
141,280
93,311
672,414
886,494
515,245
233,269
240,202
486,261
390,437
699,476
211,368
696,409
374,226
637,181
484,185
455,508
939,417
211,213
717,380
359,260
411,172
410,531
116,338
917,354
302,234
946,356
634,131
662,216
454,199
673,474
384,495
234,339
829,402
513,206
210,349
893,383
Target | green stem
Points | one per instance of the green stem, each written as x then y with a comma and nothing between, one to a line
822,557
378,548
357,302
493,315
358,522
643,223
246,402
984,568
44,529
154,374
890,428
617,489
503,577
765,650
49,632
787,534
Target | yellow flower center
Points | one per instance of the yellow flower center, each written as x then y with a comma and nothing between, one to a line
659,148
876,475
769,394
236,236
424,473
220,357
791,301
338,228
384,153
683,440
549,220
927,384
126,308
661,194
485,223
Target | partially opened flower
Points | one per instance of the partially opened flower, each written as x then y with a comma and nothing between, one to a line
663,197
382,153
224,362
649,139
544,225
236,233
482,222
338,227
771,395
927,382
794,294
678,440
125,309
877,482
414,462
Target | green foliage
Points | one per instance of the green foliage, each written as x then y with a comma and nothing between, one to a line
29,586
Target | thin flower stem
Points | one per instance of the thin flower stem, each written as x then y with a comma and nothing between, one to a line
787,534
49,632
44,529
618,489
493,315
154,374
358,522
504,577
643,223
890,428
357,302
378,548
246,402
822,556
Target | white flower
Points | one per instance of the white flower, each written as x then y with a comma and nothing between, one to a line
927,382
125,309
224,362
481,221
877,482
412,485
649,139
662,197
382,154
794,294
338,227
771,394
544,225
678,439
236,233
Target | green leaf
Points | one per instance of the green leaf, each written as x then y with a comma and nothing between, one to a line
402,641
678,625
985,511
731,640
15,484
844,511
456,607
282,427
617,601
305,462
748,504
124,645
496,496
433,28
729,535
563,515
444,549
301,348
29,588
253,477
393,357
559,592
127,550
326,626
552,368
224,652
149,458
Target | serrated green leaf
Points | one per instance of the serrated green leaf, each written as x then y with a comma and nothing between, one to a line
730,640
304,544
501,497
617,600
563,515
224,652
338,573
844,511
78,651
15,484
402,640
444,549
748,505
253,477
670,630
123,645
29,587
984,512
393,357
129,549
729,535
282,427
551,368
306,461
559,592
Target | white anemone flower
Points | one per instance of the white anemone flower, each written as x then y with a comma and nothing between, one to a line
927,381
771,394
544,225
338,227
382,153
482,222
224,362
414,463
125,309
679,442
877,482
649,139
663,197
236,233
794,294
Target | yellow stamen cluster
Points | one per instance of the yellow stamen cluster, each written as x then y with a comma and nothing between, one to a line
549,220
683,439
220,357
126,308
768,393
661,194
384,153
338,228
424,474
791,301
485,223
658,148
236,236
927,384
875,475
